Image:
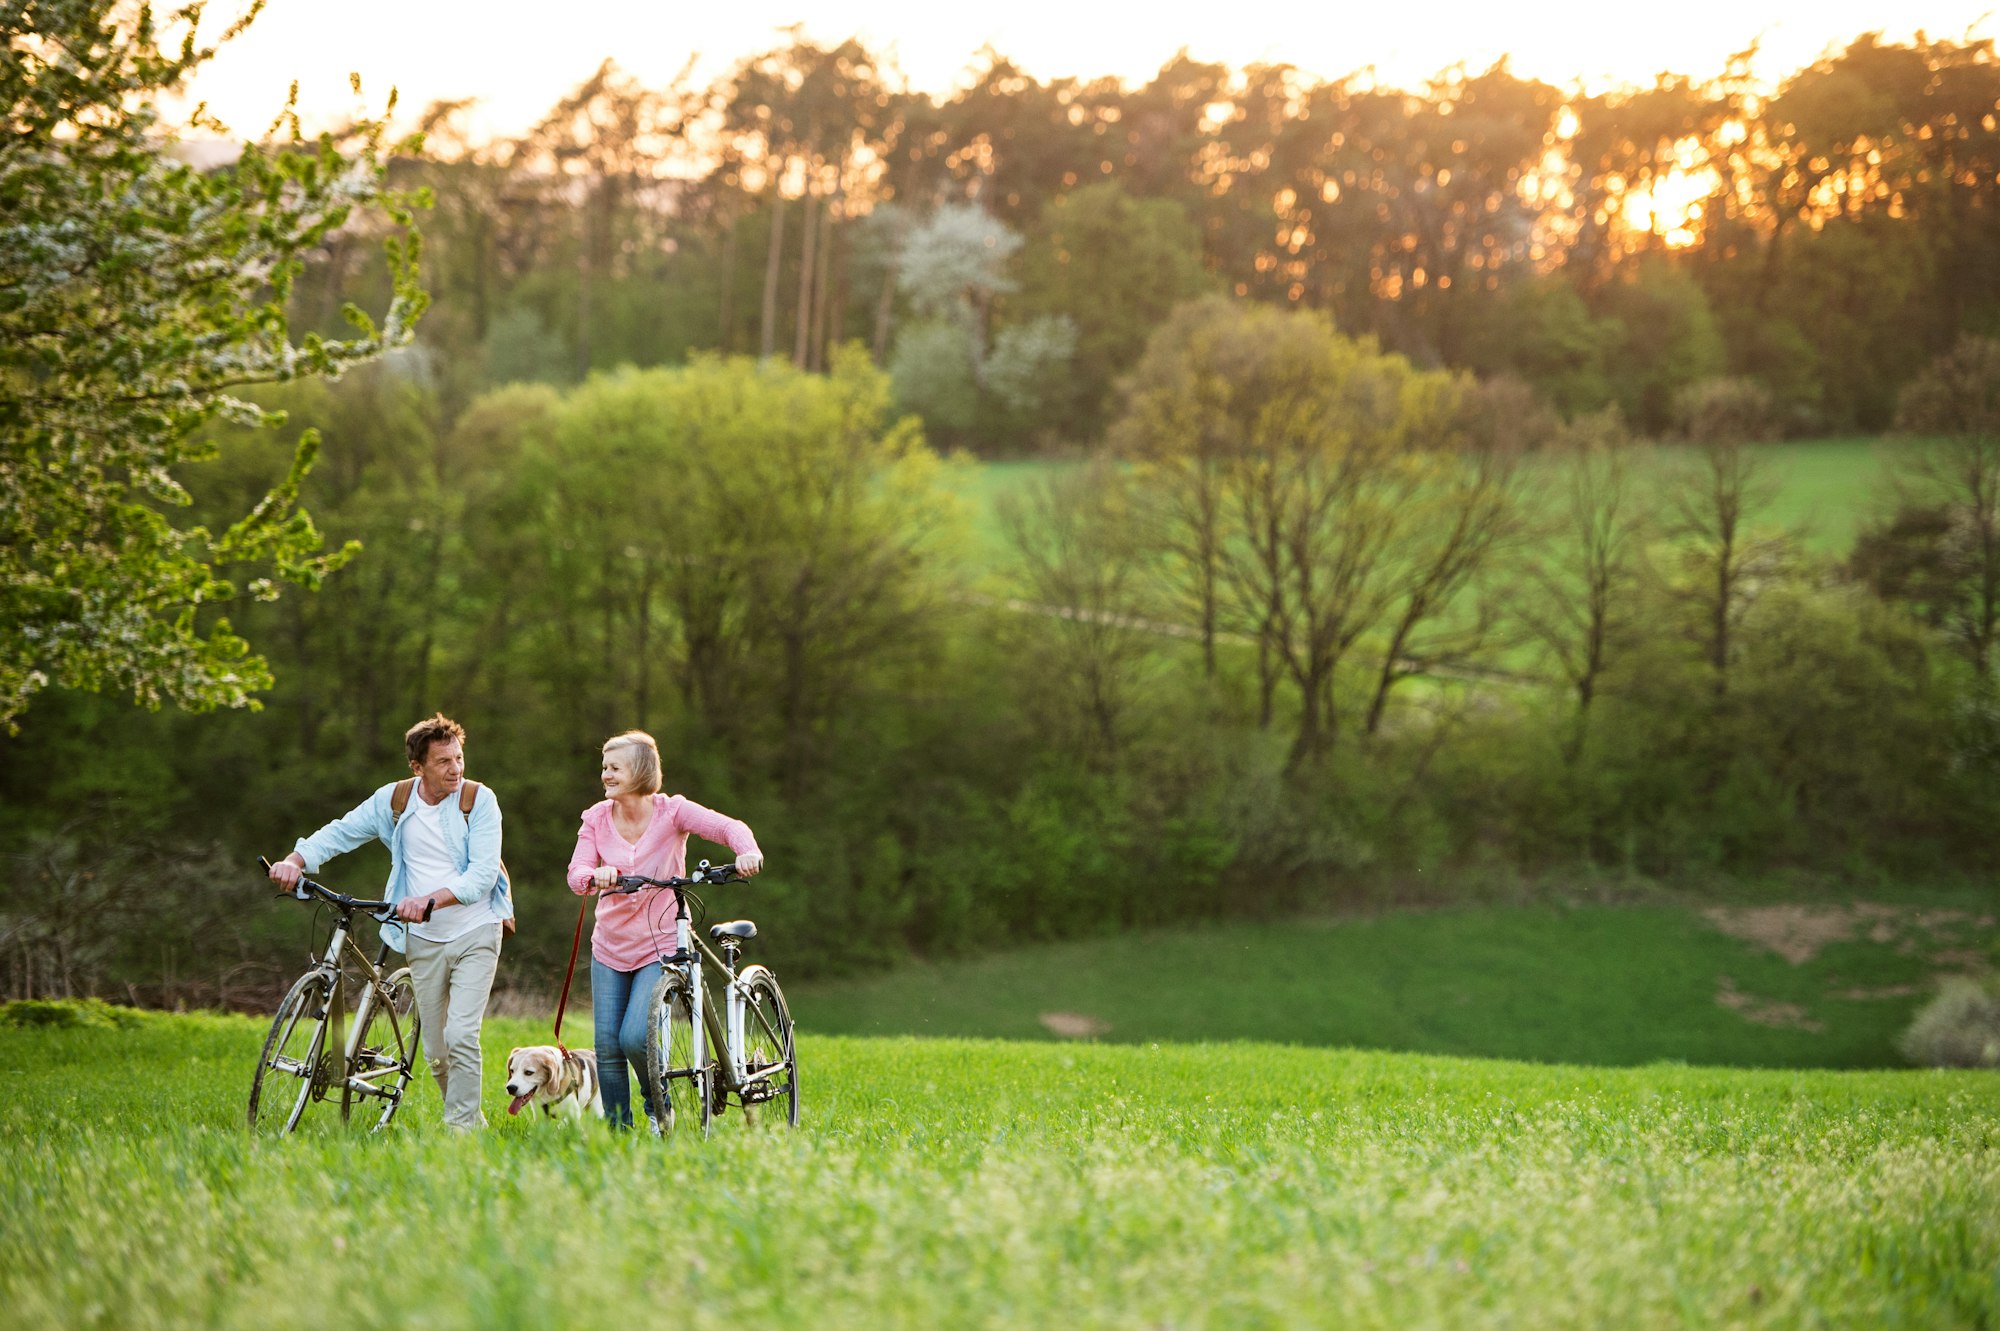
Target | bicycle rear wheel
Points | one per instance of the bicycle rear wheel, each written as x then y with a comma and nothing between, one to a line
293,1062
386,1055
768,1046
675,1082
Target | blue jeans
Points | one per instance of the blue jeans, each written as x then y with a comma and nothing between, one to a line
618,1009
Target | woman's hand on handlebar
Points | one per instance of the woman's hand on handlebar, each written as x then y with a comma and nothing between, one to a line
749,864
604,876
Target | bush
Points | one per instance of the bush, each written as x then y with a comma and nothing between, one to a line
1960,1028
1727,411
70,1014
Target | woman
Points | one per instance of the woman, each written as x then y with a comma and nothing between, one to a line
637,830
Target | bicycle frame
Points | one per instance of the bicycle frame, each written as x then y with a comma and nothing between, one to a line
315,1045
727,1034
373,978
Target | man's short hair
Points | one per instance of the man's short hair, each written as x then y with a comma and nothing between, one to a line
433,729
645,758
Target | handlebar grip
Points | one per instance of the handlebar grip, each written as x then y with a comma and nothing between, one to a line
429,906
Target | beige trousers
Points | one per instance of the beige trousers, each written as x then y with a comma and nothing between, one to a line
453,981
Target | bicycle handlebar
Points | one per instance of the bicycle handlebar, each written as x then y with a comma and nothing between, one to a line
704,876
307,888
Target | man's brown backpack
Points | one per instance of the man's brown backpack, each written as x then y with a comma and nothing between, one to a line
468,794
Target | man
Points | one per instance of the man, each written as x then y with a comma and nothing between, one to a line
443,853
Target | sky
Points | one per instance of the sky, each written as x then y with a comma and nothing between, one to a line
519,58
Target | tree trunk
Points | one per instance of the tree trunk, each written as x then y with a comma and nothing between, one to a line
885,308
826,289
802,326
767,338
583,278
726,332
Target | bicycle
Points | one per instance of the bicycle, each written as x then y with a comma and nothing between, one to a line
754,1038
378,1054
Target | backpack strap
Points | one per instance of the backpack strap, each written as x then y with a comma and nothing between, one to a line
399,799
468,795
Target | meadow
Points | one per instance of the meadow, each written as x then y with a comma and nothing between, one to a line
985,1183
1825,490
1755,982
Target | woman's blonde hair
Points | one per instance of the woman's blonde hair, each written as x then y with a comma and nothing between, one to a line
645,759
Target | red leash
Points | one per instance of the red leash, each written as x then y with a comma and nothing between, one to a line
570,974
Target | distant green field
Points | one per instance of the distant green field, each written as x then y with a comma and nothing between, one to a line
1824,489
1614,985
986,1184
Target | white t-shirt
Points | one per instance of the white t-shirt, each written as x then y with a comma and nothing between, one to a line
428,861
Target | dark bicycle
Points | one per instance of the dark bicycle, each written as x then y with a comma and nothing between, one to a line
699,1062
312,1049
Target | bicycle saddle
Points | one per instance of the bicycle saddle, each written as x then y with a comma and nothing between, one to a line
732,929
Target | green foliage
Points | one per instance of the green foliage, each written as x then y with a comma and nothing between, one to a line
1221,1185
1669,340
1309,491
1025,370
141,293
1726,411
936,378
1949,561
71,1014
1116,266
1541,330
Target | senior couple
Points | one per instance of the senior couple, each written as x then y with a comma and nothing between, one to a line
443,835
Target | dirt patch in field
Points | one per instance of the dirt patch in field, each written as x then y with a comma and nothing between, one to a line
1763,1011
1798,933
1074,1025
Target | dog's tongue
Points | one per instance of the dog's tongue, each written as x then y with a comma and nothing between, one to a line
515,1106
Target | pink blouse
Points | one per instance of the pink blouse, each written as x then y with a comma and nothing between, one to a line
638,929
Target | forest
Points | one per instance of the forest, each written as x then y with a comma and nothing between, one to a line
1397,517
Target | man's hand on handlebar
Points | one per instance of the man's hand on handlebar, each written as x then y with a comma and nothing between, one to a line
415,910
287,872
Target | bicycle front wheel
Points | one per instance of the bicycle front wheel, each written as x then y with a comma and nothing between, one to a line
386,1055
293,1062
677,1084
770,1057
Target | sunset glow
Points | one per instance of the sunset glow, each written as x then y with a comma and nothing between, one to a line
509,56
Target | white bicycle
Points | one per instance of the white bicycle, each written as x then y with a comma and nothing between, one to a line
699,1061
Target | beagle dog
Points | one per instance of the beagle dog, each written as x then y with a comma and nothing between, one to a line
562,1081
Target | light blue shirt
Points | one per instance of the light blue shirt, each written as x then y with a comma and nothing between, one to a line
474,845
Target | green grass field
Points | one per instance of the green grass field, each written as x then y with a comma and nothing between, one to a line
1824,489
1592,984
963,1183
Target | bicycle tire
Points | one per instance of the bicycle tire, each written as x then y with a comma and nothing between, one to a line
769,1041
289,1070
386,1055
673,1081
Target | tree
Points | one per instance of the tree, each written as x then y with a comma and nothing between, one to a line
1588,570
1306,493
1715,509
136,294
1079,568
1953,412
1116,266
1668,340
